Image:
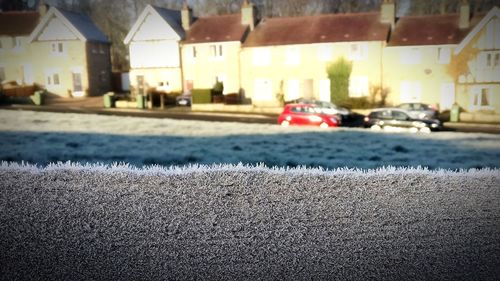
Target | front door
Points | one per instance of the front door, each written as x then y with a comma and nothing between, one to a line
447,96
140,85
77,84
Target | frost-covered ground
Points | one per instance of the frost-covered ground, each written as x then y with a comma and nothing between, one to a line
68,222
42,138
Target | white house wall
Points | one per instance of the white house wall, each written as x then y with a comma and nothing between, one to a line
56,30
150,54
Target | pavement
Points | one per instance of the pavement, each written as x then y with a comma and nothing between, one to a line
94,105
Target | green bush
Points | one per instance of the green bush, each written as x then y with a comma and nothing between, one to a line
202,95
218,88
357,103
339,73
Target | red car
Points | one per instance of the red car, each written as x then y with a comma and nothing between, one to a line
307,114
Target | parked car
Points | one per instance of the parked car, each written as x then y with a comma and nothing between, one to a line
327,107
307,114
184,99
420,110
394,117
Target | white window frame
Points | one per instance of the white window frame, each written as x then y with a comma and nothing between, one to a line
477,98
57,48
1,44
358,86
325,90
444,55
358,51
50,78
17,44
292,54
216,51
261,56
325,52
411,56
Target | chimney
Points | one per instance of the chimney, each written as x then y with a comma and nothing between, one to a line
42,8
186,16
388,12
247,14
464,21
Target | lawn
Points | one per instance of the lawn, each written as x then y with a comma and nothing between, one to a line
42,138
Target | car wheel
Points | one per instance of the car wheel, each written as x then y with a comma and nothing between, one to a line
425,130
376,128
324,125
414,130
285,123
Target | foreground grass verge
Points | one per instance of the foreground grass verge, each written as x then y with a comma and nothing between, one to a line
72,222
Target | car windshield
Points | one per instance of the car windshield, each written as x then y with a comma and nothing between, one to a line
399,115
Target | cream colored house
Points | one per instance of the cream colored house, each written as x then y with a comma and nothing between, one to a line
155,61
478,83
290,55
15,51
212,47
70,55
416,65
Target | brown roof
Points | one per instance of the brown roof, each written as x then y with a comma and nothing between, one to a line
18,23
429,30
318,29
216,29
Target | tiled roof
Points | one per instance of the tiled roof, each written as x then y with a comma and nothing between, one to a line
85,26
319,29
18,23
217,29
429,30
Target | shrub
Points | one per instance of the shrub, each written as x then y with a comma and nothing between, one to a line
218,88
202,95
339,73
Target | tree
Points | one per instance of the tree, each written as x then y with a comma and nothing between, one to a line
339,73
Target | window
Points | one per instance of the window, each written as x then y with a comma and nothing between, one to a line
357,51
17,43
325,52
358,86
103,76
293,89
2,73
481,98
410,56
261,56
444,55
193,52
57,48
292,55
216,51
53,79
1,44
497,60
398,115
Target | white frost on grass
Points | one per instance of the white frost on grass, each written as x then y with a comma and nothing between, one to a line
44,138
156,170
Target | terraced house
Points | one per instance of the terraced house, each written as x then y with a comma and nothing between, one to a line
437,59
61,51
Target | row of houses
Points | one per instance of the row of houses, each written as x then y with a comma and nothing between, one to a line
436,59
61,51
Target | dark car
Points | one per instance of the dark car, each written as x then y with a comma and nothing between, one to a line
184,99
420,110
398,118
307,114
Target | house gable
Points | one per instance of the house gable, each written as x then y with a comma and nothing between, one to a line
54,26
153,26
56,30
490,18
